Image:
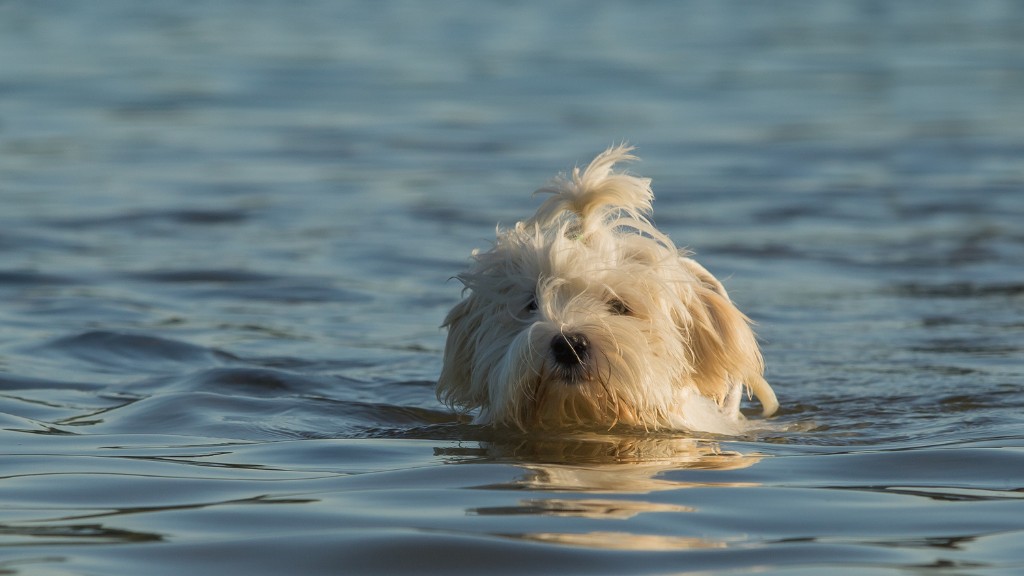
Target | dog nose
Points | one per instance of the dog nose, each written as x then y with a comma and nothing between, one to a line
570,349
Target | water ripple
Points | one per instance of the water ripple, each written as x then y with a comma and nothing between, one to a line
227,231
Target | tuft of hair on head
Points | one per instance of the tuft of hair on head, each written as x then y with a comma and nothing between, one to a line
597,193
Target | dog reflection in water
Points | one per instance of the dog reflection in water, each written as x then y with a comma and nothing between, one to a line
602,477
587,315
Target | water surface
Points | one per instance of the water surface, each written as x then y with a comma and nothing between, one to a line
227,233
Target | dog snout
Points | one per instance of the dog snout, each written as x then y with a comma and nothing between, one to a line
570,349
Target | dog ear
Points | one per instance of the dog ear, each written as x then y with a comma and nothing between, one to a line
724,347
455,384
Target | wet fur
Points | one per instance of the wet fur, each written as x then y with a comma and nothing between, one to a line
667,347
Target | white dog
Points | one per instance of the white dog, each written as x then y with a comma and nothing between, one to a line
586,315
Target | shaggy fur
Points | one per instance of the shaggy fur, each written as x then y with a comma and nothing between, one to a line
587,315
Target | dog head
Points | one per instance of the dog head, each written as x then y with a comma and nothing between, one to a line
586,314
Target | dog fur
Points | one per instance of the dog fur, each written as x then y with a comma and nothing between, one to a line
586,315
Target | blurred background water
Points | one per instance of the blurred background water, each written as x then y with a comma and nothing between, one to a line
226,237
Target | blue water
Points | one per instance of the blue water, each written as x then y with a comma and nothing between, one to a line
227,232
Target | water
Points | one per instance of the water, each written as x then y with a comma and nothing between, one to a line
227,232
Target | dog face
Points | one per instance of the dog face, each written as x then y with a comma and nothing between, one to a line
588,315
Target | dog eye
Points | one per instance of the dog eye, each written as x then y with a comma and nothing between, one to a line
618,307
531,306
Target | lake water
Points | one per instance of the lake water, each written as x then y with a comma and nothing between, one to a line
227,232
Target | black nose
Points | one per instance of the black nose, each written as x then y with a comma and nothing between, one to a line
570,349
